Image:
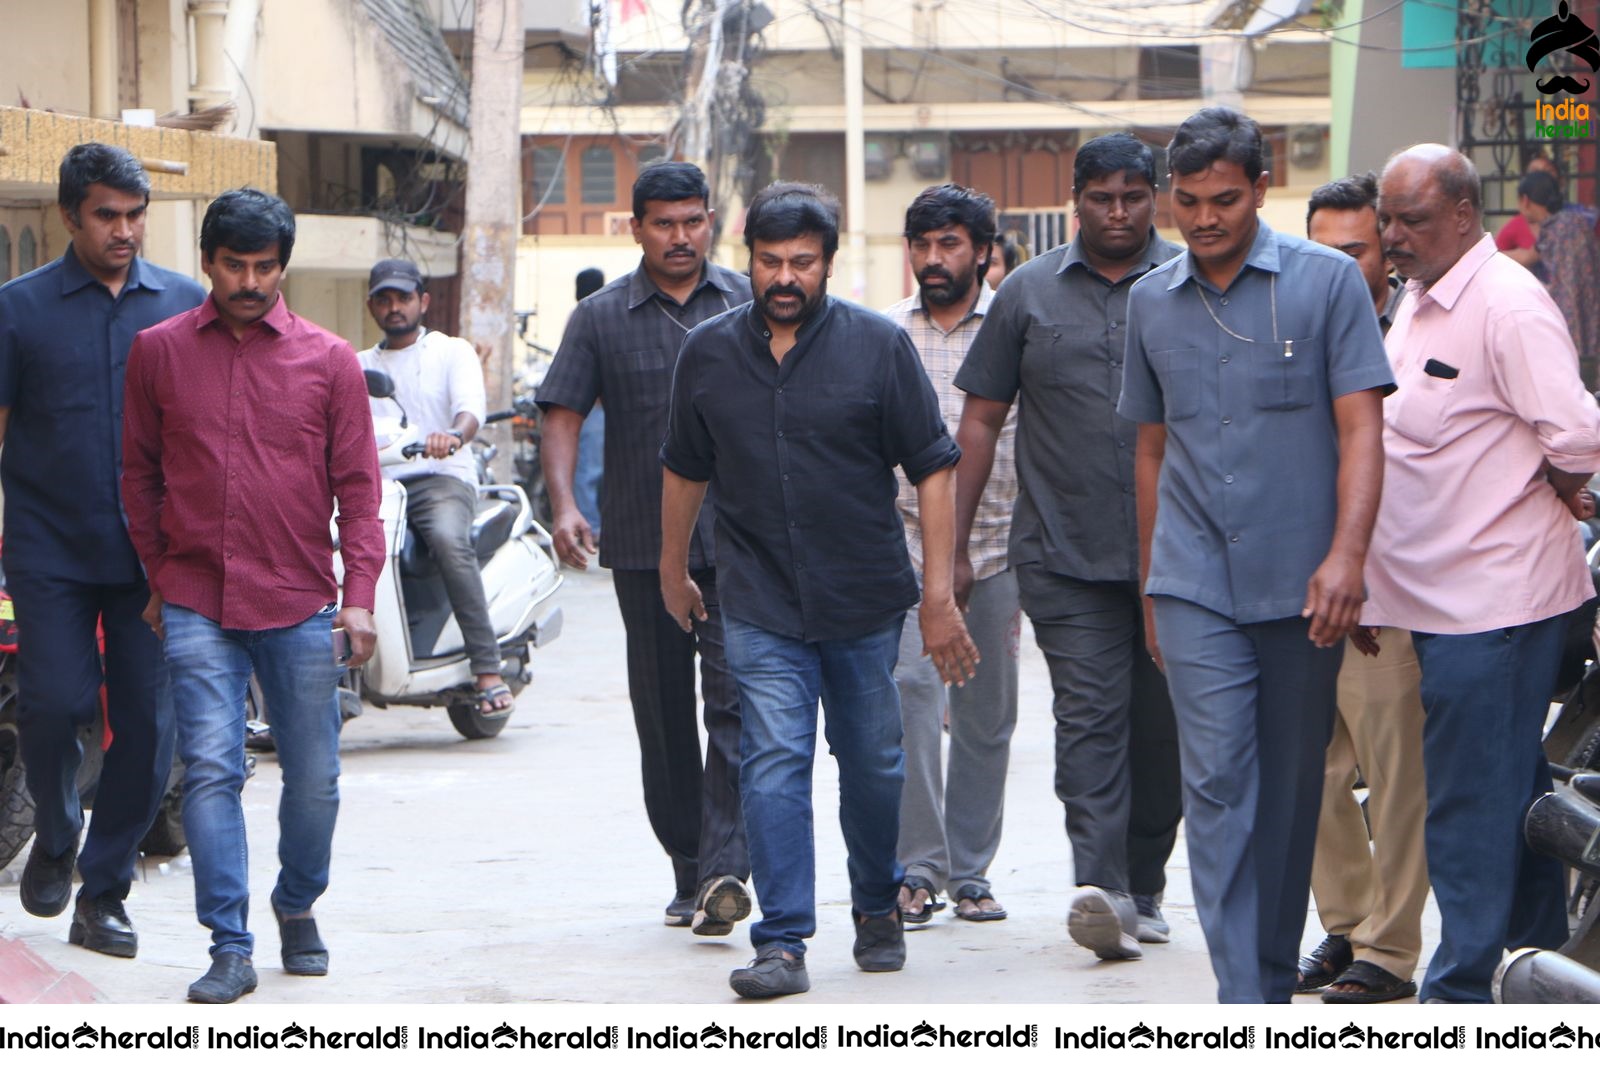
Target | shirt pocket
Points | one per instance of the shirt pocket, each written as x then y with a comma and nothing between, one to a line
1178,371
1047,357
1283,375
1418,408
644,380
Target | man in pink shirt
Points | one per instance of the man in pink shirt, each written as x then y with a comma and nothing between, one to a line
1476,553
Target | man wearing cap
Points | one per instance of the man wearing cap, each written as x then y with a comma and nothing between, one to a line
439,382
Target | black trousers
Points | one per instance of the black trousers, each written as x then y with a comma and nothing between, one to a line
693,806
59,675
1117,765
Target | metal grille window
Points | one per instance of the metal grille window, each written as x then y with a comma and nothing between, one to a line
599,175
651,153
549,180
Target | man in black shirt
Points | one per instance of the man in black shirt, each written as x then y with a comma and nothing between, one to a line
621,343
796,409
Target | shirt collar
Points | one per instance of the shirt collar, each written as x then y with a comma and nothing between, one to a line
1149,257
74,275
1263,255
758,321
978,310
642,287
277,318
1448,289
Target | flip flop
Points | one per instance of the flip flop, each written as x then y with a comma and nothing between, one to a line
489,701
1377,985
977,895
913,883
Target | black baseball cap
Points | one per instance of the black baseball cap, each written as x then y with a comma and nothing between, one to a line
401,274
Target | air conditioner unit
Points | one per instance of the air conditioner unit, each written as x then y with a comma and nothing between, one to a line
877,158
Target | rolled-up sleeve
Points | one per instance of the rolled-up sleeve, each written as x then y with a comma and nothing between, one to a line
915,438
1141,399
688,449
353,476
1536,373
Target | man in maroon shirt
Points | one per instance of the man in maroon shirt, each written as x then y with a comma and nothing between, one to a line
244,424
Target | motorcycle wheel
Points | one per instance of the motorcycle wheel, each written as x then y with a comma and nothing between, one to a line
472,724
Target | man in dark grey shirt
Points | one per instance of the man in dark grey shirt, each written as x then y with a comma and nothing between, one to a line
798,408
1053,336
622,343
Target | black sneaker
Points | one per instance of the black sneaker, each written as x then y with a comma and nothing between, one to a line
1153,928
101,924
46,888
723,902
229,978
880,941
771,974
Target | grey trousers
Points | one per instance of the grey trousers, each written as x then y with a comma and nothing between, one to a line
1117,770
1255,706
950,824
441,508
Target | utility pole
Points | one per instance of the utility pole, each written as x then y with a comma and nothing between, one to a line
493,216
855,181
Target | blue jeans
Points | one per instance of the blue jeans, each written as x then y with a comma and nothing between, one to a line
780,680
591,466
1485,697
210,669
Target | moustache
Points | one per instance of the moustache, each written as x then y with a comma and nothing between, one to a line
928,277
244,295
784,290
1562,83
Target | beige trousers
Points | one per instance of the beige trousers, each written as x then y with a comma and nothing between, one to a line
1373,891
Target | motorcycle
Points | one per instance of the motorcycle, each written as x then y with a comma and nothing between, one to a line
420,658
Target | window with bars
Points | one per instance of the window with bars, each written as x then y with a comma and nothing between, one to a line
599,175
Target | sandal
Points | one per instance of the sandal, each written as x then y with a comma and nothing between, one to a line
1325,963
496,701
1377,985
912,885
969,905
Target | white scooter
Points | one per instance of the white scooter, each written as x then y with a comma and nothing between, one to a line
420,658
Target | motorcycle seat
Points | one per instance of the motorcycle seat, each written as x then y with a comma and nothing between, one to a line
491,528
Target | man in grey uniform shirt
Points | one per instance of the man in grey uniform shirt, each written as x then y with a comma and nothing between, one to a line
1053,337
1255,367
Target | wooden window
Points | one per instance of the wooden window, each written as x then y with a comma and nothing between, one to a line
599,175
27,251
601,170
5,255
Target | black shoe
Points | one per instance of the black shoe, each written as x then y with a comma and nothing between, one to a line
101,924
229,978
681,911
880,941
1324,964
46,888
723,902
301,945
771,974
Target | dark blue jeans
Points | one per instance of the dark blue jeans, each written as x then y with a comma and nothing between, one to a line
780,681
1485,697
211,670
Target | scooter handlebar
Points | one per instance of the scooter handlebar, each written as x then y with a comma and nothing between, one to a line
412,451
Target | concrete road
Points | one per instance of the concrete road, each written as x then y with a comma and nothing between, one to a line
522,869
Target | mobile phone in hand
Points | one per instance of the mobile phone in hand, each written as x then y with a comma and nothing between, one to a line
341,646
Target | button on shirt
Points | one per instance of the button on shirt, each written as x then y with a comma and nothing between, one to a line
801,455
941,355
1470,536
235,452
1248,494
63,347
621,344
436,378
1054,337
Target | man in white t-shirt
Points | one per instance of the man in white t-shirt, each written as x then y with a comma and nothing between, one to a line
439,382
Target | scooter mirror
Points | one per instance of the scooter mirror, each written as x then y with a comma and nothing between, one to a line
379,384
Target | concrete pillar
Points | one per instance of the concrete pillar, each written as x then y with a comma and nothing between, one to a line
103,60
210,64
854,155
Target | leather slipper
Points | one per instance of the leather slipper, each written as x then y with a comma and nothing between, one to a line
1325,963
1377,985
977,894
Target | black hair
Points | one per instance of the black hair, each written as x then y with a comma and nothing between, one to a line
670,181
1013,249
1542,189
1110,153
248,220
786,210
940,206
93,163
1214,133
1344,194
590,280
